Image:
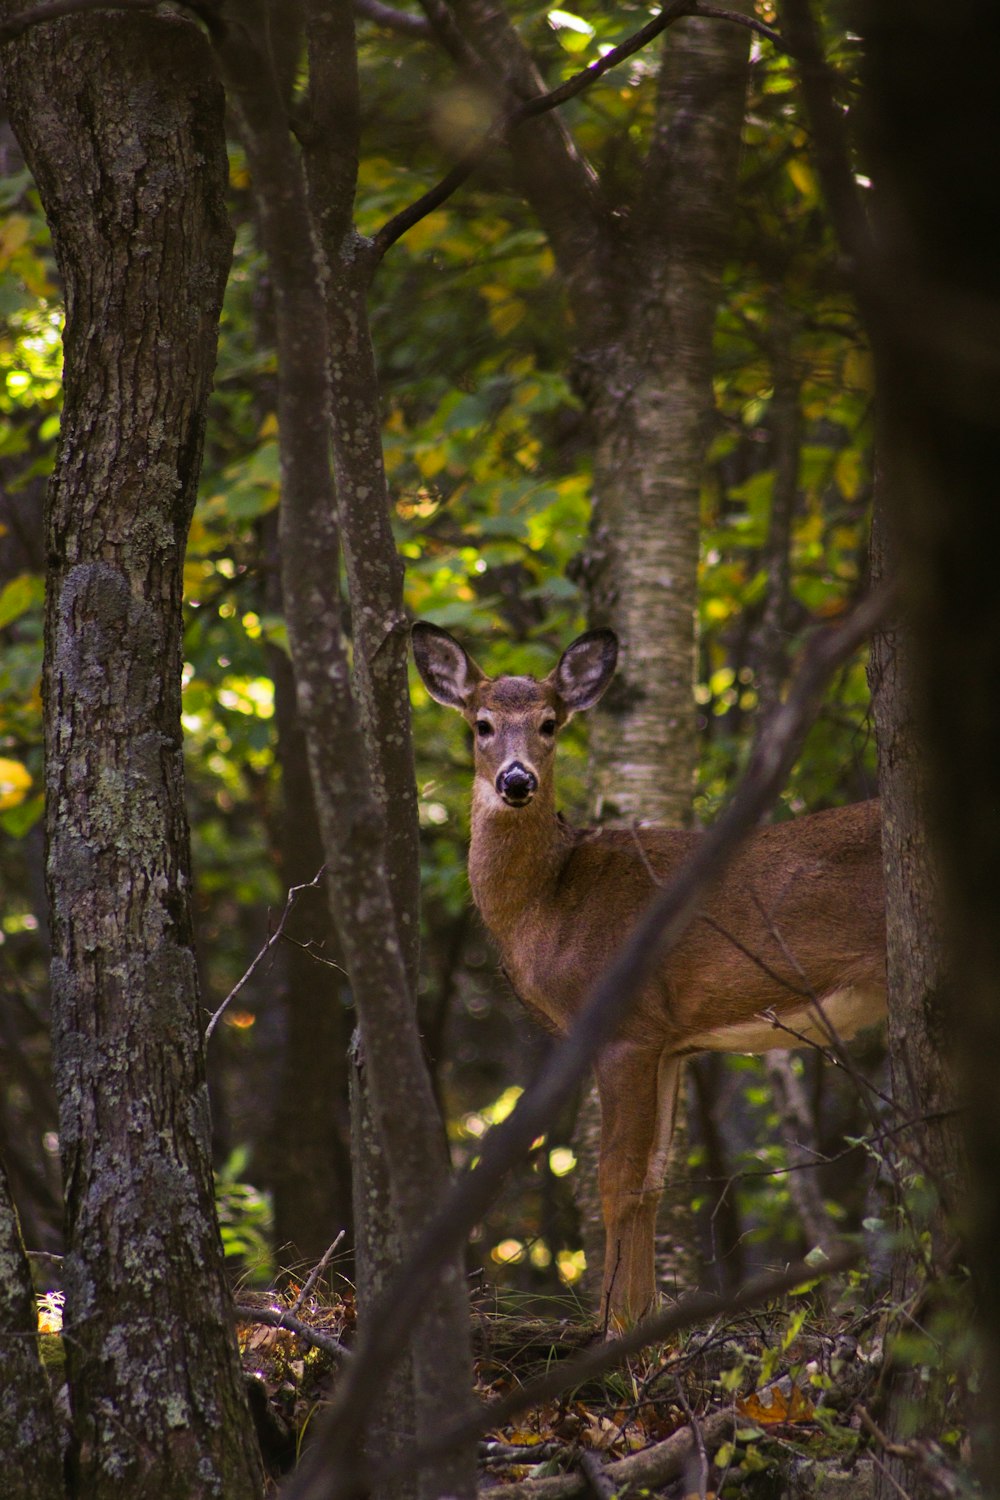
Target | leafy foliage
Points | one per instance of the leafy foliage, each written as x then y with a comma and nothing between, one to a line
488,456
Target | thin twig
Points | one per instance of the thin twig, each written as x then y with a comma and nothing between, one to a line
525,109
315,1274
697,1438
294,893
601,1358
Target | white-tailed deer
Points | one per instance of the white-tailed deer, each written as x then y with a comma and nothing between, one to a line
790,938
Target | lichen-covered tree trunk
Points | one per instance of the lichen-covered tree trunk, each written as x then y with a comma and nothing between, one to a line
121,122
29,1434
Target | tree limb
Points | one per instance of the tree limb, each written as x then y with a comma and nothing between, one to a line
663,924
391,19
508,120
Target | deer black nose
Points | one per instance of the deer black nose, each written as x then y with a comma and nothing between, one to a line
516,784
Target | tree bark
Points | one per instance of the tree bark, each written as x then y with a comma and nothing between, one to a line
932,127
920,1051
29,1433
378,946
122,125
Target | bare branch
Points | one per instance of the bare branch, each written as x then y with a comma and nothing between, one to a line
315,1274
392,19
526,109
716,12
278,1318
293,895
661,927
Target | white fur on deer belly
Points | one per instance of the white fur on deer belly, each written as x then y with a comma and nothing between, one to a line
846,1011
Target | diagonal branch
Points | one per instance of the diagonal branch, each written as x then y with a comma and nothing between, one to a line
600,1359
830,141
507,122
392,19
659,930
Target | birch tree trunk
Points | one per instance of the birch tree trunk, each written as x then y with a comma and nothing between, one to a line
643,284
121,122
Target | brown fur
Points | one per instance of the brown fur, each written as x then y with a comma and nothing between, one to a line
798,918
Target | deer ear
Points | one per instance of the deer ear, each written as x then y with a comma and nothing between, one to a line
585,669
449,674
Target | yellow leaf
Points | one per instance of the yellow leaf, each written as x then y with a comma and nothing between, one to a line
859,374
803,177
15,780
847,472
780,1402
505,316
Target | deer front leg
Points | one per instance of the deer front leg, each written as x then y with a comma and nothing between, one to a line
638,1092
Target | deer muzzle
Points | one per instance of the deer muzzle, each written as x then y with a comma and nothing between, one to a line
516,784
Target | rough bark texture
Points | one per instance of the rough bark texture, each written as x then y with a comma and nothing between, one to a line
351,815
932,117
122,125
920,1041
649,378
29,1433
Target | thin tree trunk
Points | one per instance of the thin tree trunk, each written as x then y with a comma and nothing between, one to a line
121,122
648,380
377,945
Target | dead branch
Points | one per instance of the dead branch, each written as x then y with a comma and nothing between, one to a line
315,1274
508,121
294,893
662,926
279,1318
391,19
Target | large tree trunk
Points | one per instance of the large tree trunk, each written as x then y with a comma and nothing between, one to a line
932,114
922,1065
121,122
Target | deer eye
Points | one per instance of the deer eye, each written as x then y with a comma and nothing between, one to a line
547,728
484,728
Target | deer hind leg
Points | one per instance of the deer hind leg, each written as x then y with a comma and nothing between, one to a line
638,1090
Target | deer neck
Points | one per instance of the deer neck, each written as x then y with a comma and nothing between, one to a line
515,856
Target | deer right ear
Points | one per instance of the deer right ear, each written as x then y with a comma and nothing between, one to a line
585,669
449,674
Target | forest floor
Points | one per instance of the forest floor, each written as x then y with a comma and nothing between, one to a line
774,1405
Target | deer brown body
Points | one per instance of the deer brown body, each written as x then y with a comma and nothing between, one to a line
789,945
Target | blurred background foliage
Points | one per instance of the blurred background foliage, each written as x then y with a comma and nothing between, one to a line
488,459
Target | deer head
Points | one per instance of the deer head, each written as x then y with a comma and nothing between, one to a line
515,720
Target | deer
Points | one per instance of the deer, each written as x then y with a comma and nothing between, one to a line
788,947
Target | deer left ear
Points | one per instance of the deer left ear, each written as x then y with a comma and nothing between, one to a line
448,671
585,669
